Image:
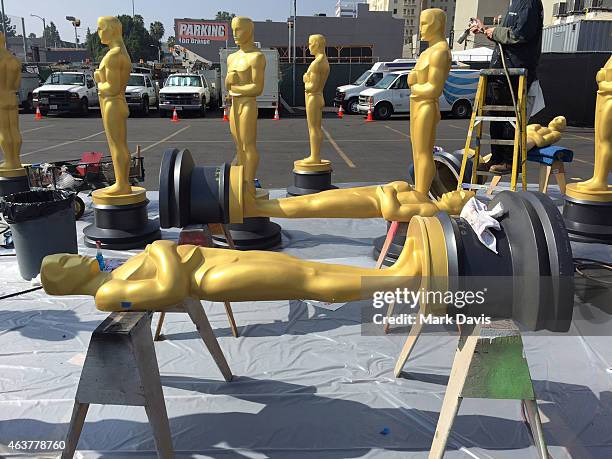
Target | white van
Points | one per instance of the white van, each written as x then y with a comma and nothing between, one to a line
391,95
348,95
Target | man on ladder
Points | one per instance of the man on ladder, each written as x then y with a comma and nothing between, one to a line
519,38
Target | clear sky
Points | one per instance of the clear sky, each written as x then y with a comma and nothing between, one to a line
151,10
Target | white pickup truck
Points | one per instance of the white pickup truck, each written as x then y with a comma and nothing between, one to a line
141,93
184,92
391,95
67,92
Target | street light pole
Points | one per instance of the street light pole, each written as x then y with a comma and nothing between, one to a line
294,46
44,27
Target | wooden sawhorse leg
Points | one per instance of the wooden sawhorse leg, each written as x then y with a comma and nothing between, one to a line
489,363
121,369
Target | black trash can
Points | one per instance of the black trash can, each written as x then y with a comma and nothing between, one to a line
42,223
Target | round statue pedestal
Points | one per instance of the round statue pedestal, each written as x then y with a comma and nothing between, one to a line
310,178
13,181
121,221
256,233
588,214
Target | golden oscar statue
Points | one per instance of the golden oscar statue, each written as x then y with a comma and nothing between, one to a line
244,82
120,210
13,176
426,83
165,274
544,136
112,77
313,174
588,204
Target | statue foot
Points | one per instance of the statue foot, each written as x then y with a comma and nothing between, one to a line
116,190
592,185
311,160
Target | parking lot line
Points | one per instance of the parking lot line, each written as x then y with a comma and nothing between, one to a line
165,139
343,155
398,131
61,144
37,128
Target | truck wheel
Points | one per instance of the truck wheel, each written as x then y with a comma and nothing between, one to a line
203,111
162,112
28,105
84,106
462,109
351,106
383,111
145,106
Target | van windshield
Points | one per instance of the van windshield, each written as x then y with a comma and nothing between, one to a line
136,80
176,80
66,78
362,78
386,82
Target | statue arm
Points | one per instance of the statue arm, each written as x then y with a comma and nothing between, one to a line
255,88
169,286
438,72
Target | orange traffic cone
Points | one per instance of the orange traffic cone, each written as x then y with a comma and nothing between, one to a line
370,118
225,117
38,115
276,115
341,112
175,118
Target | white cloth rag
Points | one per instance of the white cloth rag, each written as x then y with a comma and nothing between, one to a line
483,220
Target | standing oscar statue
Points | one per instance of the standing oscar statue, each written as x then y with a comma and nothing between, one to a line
588,205
313,174
244,82
120,210
426,83
13,177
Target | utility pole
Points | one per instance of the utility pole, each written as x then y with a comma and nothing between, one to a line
25,43
44,35
3,21
133,11
294,49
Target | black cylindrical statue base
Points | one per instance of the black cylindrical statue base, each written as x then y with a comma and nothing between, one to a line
10,185
588,221
122,227
310,182
257,233
396,247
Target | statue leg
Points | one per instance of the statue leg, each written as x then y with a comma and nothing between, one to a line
288,278
234,121
423,125
247,134
603,146
115,115
10,138
314,117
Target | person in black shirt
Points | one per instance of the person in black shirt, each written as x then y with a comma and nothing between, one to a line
520,35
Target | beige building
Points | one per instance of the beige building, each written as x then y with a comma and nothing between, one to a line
410,11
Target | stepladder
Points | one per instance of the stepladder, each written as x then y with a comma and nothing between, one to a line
489,364
515,114
203,236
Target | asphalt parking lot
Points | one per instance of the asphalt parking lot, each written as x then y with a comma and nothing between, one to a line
360,151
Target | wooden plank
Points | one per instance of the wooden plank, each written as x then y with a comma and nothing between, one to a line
77,420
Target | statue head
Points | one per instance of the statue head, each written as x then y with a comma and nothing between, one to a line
558,123
453,201
316,44
64,274
109,29
243,30
432,24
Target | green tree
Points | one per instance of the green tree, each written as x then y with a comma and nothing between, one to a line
32,35
52,36
171,41
156,30
94,47
224,16
11,30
